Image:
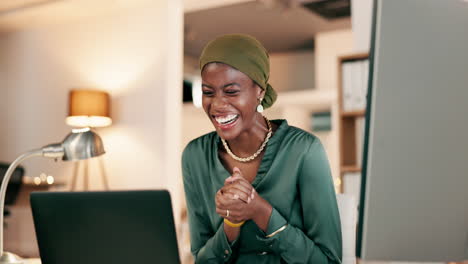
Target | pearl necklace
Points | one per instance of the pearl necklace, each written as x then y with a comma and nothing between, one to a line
247,159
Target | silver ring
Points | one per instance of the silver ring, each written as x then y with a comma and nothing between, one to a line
227,213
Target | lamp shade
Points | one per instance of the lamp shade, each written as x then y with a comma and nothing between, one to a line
88,108
82,144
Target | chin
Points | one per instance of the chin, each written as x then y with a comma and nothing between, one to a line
227,135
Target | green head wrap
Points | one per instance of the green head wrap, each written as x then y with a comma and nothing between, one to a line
246,54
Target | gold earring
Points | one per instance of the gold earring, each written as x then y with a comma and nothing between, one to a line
260,106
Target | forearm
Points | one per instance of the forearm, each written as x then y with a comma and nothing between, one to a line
262,215
217,249
295,246
305,250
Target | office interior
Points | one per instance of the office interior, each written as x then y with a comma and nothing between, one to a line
143,53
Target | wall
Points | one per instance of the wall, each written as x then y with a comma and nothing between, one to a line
292,71
136,55
3,99
361,20
195,123
328,47
191,66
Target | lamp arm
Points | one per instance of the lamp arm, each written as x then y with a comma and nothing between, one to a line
6,179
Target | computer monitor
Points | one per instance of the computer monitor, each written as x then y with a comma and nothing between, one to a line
414,190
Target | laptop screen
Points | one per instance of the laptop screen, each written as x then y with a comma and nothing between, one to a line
105,227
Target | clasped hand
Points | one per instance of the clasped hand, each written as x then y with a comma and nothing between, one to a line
238,196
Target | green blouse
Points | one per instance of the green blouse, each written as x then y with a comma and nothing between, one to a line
294,177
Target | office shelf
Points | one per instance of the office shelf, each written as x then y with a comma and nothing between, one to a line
350,125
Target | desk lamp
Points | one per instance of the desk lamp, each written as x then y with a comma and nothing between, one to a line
80,144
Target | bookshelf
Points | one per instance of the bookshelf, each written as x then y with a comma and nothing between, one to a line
352,90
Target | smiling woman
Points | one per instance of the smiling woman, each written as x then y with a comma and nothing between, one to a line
256,190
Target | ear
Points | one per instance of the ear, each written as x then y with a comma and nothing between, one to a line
260,91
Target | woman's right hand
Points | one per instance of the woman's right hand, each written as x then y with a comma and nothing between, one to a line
234,196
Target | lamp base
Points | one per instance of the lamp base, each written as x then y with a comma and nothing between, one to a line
10,258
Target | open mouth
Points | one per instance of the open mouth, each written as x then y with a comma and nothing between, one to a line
226,120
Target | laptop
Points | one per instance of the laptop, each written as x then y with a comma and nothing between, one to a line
118,227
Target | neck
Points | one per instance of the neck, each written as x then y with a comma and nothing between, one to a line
249,141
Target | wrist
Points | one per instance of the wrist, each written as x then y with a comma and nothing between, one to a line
263,213
231,232
233,224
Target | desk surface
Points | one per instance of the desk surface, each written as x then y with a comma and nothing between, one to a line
32,261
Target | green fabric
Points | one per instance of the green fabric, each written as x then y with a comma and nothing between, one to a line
294,177
245,54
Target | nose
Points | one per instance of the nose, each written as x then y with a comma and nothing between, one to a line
218,102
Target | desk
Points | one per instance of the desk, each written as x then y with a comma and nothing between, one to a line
32,261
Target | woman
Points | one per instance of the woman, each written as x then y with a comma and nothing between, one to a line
257,191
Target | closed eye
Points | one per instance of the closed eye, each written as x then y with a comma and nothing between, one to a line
207,92
232,92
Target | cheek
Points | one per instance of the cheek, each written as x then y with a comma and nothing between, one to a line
205,104
248,104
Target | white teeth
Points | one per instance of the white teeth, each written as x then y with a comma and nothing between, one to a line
226,119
